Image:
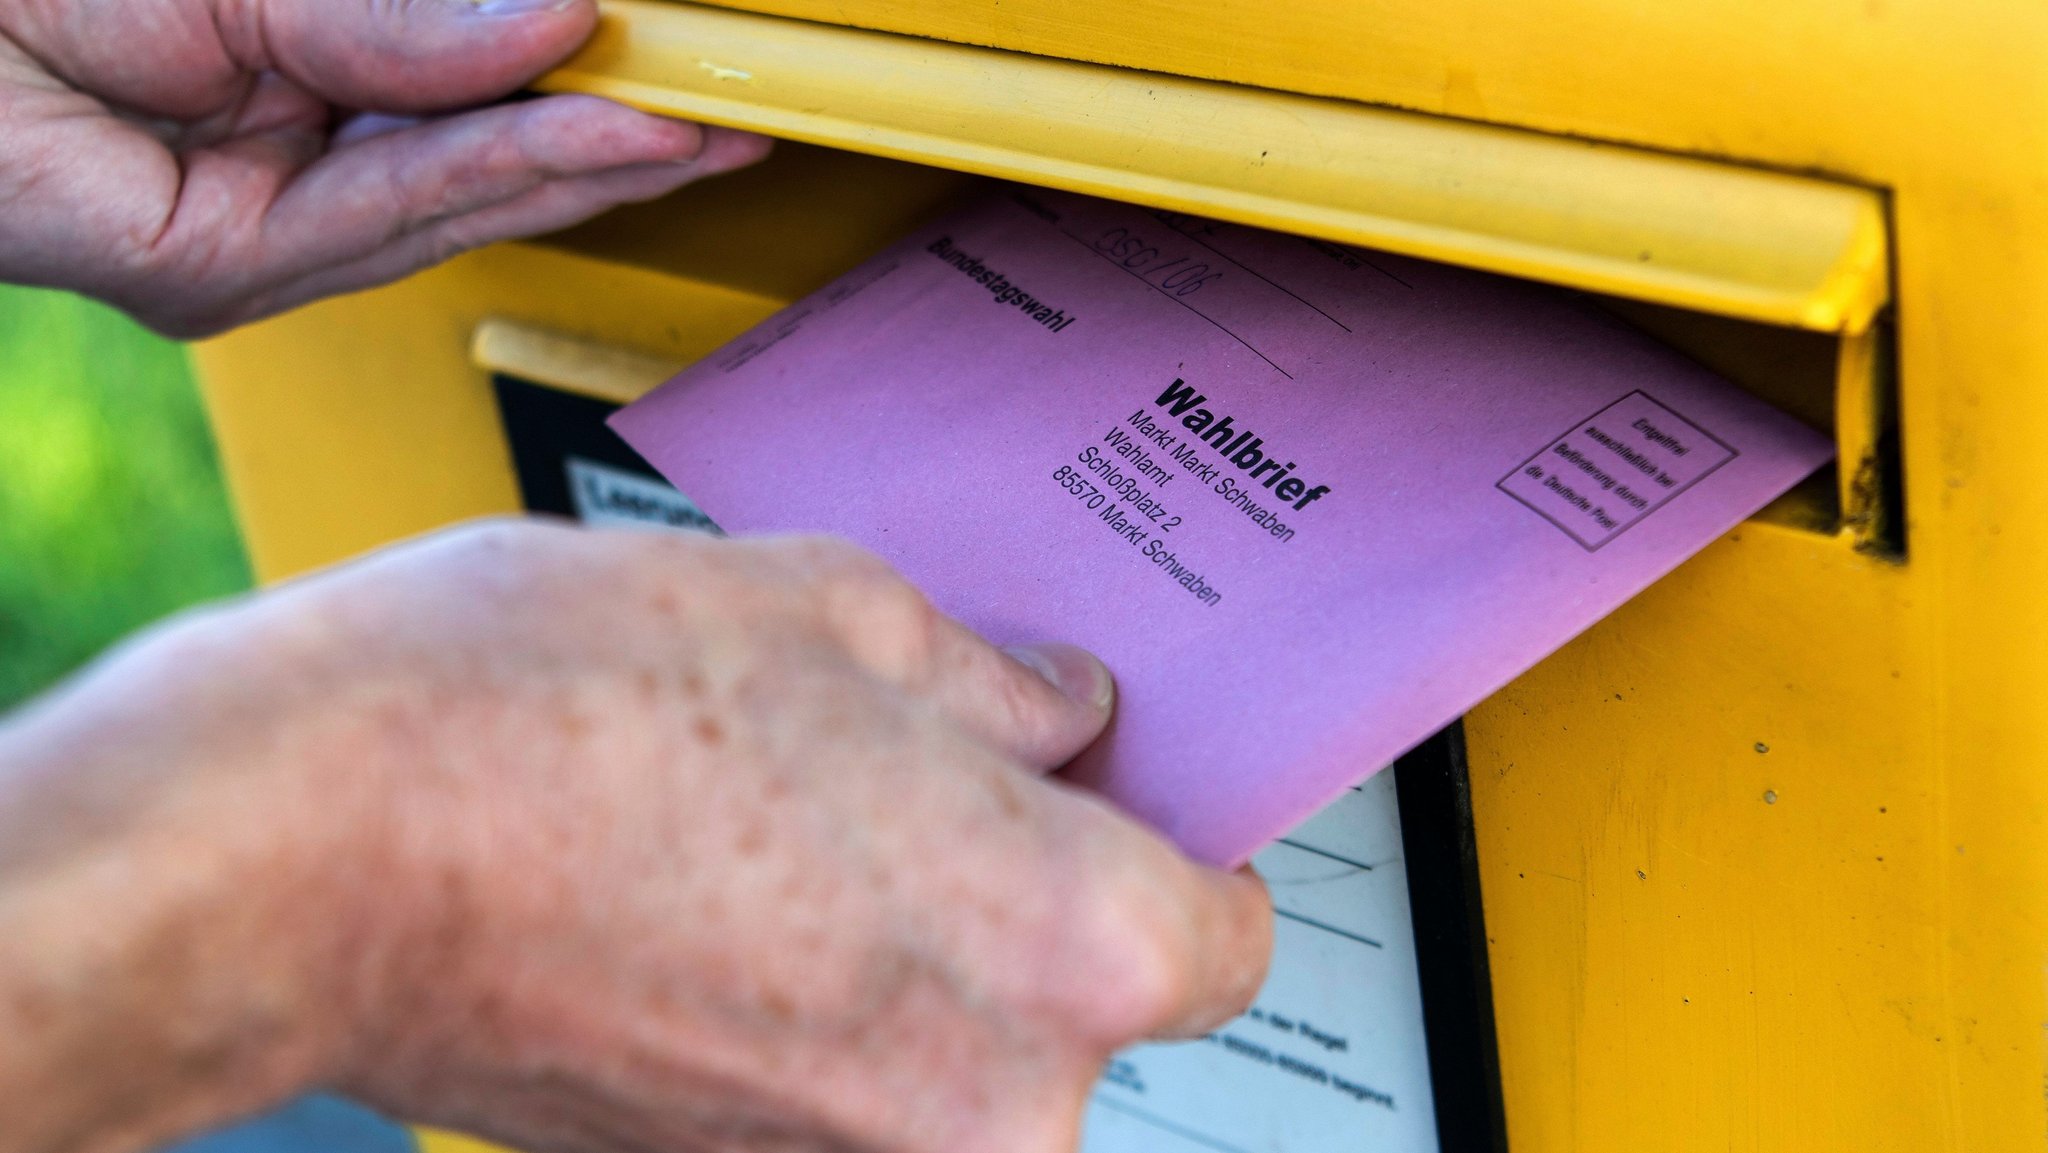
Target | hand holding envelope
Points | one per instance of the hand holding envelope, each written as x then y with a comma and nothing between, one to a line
589,841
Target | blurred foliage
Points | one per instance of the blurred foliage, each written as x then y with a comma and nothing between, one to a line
112,511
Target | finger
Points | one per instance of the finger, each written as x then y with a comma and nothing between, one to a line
365,125
1237,969
189,59
1169,947
1228,930
404,198
271,104
372,192
406,55
1077,674
1040,704
551,206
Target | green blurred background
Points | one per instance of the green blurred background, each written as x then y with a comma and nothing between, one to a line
112,512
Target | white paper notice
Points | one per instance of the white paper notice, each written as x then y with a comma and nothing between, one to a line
607,497
1332,1056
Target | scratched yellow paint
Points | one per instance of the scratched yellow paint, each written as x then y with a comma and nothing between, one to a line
1764,854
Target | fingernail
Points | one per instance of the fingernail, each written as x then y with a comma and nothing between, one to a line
520,7
1073,671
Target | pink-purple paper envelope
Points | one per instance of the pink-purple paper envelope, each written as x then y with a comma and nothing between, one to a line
1309,502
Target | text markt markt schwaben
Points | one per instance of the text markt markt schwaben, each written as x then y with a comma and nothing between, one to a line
1238,446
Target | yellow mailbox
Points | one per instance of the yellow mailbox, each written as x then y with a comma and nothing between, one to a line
1762,857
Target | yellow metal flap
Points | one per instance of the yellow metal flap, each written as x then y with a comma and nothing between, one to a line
1760,245
603,371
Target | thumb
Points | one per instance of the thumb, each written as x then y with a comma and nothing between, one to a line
412,56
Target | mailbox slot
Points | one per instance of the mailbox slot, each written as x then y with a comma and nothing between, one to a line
771,235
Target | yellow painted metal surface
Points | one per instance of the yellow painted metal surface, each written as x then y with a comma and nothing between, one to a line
601,371
1764,854
1761,245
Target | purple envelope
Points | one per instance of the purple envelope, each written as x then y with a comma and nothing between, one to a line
1309,502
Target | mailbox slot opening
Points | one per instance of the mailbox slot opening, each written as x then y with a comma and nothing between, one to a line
823,210
1778,279
1843,385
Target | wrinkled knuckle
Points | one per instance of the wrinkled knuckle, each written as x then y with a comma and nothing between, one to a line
881,616
144,255
896,625
1142,972
196,275
1157,980
1024,707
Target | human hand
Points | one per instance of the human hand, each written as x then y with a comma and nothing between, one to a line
202,163
592,841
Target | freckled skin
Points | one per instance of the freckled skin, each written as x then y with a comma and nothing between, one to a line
710,733
752,852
